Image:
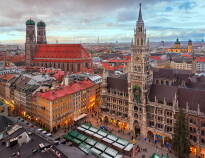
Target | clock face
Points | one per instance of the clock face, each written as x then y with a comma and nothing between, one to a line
137,58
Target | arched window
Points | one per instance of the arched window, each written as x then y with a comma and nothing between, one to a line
140,29
142,42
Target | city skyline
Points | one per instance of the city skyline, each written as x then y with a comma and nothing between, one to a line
109,20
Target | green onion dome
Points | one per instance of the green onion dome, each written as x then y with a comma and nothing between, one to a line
177,41
41,24
30,22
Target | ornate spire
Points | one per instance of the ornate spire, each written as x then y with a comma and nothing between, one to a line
132,42
148,42
140,14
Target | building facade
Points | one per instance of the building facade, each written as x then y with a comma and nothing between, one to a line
68,57
181,64
177,48
59,107
200,64
146,101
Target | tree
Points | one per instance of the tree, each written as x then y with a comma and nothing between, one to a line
180,141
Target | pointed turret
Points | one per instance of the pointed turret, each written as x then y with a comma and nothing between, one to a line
132,42
140,35
148,42
140,14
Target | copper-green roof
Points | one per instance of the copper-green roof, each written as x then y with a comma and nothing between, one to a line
30,22
41,24
177,41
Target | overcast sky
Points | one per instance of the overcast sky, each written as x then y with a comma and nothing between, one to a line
71,21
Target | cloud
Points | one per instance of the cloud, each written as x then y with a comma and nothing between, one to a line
168,9
187,5
126,15
107,18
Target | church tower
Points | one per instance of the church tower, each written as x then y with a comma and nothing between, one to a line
177,44
30,41
41,33
189,47
139,77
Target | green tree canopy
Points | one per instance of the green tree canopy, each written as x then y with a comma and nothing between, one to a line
180,141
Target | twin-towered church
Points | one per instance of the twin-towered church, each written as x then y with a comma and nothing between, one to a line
71,58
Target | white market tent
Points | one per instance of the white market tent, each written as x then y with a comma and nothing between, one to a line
106,137
89,145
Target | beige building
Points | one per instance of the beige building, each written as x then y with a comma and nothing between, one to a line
181,64
59,107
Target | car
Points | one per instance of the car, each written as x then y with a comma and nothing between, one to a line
56,142
41,145
48,134
39,129
13,154
44,132
34,150
63,141
104,128
29,133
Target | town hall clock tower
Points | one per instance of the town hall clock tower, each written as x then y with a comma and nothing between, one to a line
139,78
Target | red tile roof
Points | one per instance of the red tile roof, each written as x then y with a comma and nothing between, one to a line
186,55
7,77
155,57
127,57
117,61
200,59
109,67
61,53
66,90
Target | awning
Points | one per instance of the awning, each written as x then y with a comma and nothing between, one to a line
80,117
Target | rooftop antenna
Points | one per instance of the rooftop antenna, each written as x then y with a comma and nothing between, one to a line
98,41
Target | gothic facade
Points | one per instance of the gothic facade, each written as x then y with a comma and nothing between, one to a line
71,58
145,101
